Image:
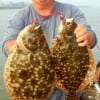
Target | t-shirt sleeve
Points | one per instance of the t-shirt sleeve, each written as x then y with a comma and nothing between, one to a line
15,25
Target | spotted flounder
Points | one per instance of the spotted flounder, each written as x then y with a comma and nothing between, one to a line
74,65
29,70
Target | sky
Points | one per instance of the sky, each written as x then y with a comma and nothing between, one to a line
82,2
75,2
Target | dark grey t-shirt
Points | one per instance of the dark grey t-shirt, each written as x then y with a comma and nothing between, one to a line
26,15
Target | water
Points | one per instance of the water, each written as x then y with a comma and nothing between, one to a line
93,18
5,14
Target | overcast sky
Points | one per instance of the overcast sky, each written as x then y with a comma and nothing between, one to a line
76,2
82,2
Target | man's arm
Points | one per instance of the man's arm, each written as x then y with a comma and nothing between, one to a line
85,35
15,25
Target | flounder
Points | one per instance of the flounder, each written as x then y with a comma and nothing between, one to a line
29,70
74,65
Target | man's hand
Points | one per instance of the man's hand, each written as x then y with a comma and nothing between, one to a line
84,37
9,45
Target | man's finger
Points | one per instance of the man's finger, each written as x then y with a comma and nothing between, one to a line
79,27
81,38
82,44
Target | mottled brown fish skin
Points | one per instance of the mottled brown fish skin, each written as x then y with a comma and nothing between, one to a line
29,70
72,61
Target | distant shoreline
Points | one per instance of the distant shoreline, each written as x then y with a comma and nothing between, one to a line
12,7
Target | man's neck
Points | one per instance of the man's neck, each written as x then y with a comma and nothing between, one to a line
44,9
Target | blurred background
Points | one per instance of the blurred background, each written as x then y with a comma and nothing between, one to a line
9,7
